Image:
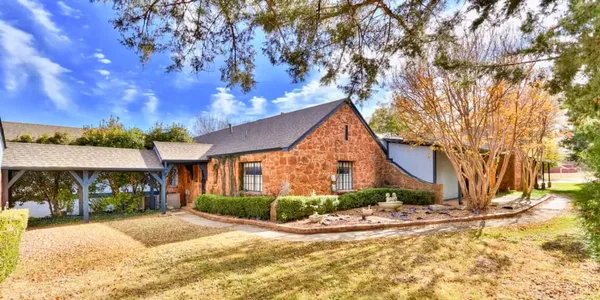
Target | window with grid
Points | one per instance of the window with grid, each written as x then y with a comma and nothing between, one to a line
252,177
344,176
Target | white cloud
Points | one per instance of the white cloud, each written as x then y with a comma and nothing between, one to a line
101,58
68,11
43,18
312,93
103,72
225,104
151,103
130,94
21,59
259,105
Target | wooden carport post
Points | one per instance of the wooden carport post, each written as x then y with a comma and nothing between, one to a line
161,178
6,185
84,182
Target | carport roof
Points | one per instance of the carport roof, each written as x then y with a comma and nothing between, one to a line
181,152
12,130
48,157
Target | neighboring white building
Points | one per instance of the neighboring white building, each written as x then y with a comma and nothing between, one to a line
424,163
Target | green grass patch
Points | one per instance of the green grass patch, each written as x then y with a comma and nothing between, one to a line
94,217
572,190
567,189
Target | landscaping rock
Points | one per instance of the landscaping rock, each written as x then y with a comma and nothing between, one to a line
437,207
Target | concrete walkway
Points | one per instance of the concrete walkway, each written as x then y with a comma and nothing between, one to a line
543,212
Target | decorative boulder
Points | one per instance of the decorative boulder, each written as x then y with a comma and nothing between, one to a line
315,218
437,207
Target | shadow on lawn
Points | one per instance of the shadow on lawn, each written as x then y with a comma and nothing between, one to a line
260,269
570,247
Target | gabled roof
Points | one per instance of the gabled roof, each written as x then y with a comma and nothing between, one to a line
279,132
181,152
30,156
13,130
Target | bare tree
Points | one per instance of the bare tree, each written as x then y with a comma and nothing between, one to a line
206,123
539,117
471,115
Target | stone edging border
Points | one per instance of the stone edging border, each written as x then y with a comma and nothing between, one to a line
359,227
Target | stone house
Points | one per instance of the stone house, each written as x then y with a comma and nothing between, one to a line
328,149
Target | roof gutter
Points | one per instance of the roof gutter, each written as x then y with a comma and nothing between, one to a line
247,152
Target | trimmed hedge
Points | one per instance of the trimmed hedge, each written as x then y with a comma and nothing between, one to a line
290,208
252,207
12,226
371,196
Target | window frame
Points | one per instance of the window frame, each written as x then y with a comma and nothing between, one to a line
252,182
344,181
346,132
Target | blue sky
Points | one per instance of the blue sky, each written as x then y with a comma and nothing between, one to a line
61,63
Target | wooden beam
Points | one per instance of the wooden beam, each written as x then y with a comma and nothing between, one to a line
163,189
94,176
156,177
80,197
152,202
4,192
77,177
86,196
14,179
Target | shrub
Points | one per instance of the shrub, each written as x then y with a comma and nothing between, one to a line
371,196
588,203
12,225
250,207
290,208
122,202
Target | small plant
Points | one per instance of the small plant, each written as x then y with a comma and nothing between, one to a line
290,208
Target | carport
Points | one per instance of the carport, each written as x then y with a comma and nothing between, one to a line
84,163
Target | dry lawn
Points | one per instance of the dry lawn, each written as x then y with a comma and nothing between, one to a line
164,257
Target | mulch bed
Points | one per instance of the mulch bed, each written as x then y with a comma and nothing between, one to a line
405,213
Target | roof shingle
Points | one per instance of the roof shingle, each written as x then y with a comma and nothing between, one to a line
13,130
26,156
277,132
181,152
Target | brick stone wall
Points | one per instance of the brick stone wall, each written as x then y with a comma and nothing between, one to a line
512,176
187,181
310,164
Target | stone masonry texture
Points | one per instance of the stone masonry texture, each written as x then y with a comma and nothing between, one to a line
309,165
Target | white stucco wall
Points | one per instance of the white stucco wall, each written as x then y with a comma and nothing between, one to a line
418,160
445,175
